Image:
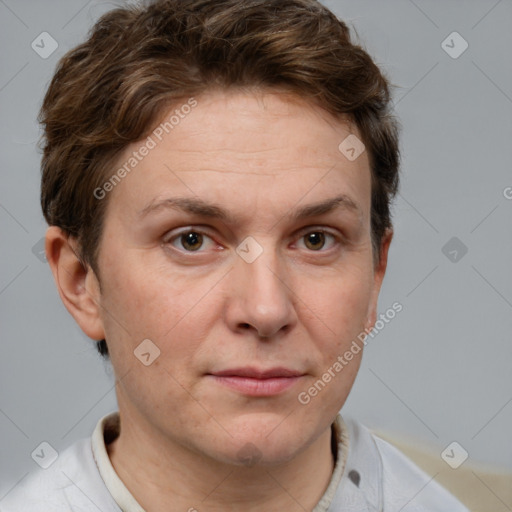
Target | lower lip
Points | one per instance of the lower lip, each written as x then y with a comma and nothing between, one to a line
257,387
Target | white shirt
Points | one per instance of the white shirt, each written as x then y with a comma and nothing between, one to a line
370,475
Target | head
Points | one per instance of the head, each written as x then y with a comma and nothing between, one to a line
200,195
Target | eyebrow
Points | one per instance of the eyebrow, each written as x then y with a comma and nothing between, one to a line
212,210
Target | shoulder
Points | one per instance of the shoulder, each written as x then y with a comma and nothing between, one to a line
72,482
405,486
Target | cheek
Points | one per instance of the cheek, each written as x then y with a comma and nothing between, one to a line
345,305
340,304
134,300
147,303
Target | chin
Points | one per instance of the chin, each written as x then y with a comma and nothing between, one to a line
265,439
247,454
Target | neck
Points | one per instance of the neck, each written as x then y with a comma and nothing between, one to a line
190,481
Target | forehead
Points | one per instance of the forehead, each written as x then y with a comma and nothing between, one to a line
246,150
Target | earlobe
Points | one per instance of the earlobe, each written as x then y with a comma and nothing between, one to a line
384,250
379,272
77,285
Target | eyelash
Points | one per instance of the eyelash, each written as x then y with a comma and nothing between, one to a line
337,238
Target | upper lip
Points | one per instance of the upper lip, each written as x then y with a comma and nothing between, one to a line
255,373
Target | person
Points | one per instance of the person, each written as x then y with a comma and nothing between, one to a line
217,178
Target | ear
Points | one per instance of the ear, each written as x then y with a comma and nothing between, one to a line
78,287
378,277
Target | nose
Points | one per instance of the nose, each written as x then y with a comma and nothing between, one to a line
261,297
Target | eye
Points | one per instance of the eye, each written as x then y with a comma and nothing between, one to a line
316,240
190,241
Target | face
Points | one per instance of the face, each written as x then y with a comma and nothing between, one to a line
212,251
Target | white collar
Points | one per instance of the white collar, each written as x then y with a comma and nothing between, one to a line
108,428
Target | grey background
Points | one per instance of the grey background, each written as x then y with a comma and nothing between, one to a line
440,371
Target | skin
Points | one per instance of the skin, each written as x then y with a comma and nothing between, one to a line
260,155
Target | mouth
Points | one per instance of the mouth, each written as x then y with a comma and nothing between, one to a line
256,382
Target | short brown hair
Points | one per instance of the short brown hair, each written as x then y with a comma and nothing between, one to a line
140,60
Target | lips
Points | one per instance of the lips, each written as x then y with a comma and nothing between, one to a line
252,381
254,373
